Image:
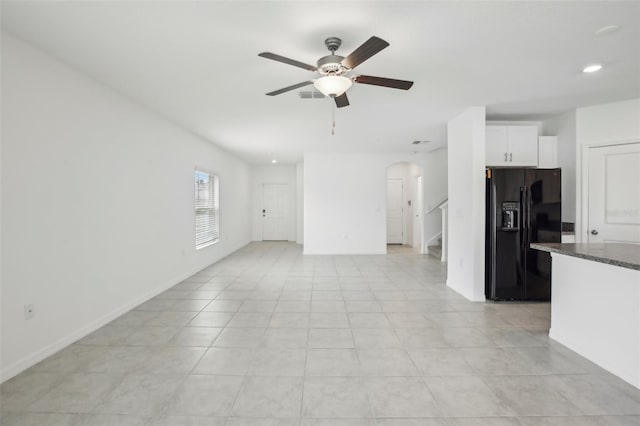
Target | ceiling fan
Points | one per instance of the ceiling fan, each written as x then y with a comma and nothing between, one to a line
335,71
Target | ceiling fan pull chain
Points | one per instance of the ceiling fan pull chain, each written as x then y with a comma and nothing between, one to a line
333,116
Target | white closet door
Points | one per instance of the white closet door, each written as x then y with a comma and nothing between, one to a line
394,211
614,194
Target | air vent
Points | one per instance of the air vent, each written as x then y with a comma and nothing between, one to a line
310,94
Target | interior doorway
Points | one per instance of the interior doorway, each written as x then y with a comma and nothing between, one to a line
404,195
395,211
275,211
418,212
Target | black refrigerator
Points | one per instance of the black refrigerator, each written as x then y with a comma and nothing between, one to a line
523,207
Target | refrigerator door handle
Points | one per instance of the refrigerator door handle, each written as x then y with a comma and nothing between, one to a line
493,248
523,198
527,205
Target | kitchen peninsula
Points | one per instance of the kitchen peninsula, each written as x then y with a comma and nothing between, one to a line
595,303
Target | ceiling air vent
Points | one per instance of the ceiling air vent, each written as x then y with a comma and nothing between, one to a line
310,94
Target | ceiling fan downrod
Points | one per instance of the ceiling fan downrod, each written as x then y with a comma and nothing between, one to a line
333,44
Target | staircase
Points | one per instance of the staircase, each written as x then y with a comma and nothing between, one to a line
437,245
436,250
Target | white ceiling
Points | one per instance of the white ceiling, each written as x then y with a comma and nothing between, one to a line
196,63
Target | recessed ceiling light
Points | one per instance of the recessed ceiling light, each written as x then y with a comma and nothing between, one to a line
592,68
607,30
274,161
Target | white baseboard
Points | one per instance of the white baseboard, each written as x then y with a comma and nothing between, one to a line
434,238
307,252
631,377
467,295
32,359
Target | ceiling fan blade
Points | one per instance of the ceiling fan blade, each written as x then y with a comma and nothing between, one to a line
293,62
342,100
289,88
385,82
364,52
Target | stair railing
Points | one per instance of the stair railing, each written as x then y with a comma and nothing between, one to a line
439,203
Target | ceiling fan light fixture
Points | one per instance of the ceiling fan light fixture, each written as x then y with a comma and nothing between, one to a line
333,85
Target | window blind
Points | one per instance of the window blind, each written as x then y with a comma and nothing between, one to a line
207,209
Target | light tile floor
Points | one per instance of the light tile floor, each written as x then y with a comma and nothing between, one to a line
270,337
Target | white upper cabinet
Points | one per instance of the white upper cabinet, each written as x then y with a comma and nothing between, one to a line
512,146
496,145
523,145
547,152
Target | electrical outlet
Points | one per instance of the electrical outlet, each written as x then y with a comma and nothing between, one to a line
29,312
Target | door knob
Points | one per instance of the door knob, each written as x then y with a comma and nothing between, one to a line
594,232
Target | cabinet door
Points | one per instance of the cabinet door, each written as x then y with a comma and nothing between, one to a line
523,145
547,152
496,145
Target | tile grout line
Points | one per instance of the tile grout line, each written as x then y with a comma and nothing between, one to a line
306,351
164,411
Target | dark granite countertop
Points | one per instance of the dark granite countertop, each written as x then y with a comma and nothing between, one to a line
623,255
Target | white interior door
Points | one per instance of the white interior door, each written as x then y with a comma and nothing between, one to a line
275,211
417,214
395,212
614,194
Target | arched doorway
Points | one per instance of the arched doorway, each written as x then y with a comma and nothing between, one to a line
404,205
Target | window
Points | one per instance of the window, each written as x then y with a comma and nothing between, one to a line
207,209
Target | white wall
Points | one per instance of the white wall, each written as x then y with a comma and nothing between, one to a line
466,144
601,125
344,200
97,204
564,127
344,204
273,174
435,190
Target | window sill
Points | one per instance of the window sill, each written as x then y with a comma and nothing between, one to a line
210,243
